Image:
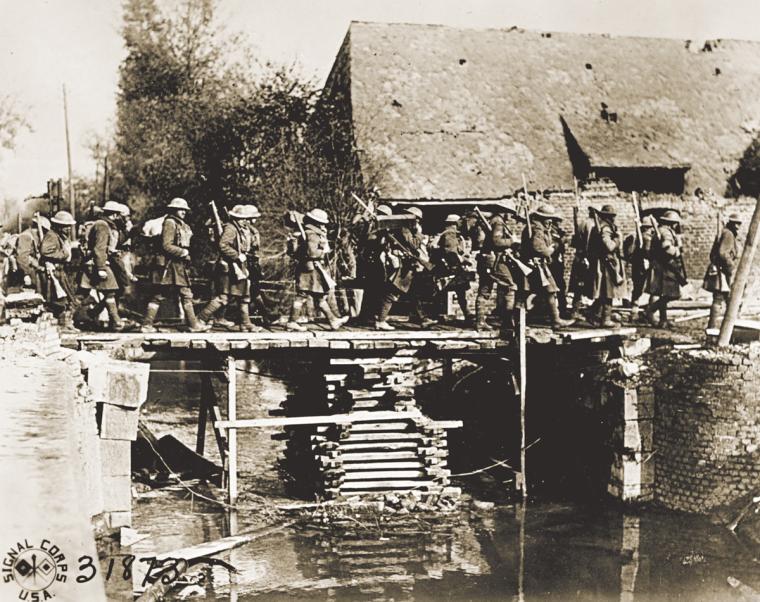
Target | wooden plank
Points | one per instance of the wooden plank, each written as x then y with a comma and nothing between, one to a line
325,419
400,465
390,445
381,437
361,457
232,435
389,484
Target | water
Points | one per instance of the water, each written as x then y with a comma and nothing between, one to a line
559,551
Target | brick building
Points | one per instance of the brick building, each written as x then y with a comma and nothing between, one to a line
445,114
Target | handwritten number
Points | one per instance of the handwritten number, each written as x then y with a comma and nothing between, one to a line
86,562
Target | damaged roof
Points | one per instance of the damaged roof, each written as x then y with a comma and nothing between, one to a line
449,113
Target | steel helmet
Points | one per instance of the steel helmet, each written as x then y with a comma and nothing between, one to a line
671,216
547,211
252,210
112,207
319,216
608,210
452,218
42,221
178,203
124,209
63,218
648,222
415,211
734,217
238,212
384,210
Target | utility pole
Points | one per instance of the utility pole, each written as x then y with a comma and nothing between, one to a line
105,179
70,189
740,280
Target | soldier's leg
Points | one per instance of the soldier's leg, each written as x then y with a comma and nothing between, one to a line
485,286
324,306
154,304
114,320
185,294
663,306
296,311
214,310
245,316
461,294
389,299
717,309
507,303
556,320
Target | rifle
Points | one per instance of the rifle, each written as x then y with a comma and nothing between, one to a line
58,290
237,269
524,268
637,218
407,252
327,279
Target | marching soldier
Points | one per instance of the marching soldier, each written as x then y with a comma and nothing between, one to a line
609,275
28,258
408,257
451,249
581,277
667,273
170,270
256,274
637,252
232,276
495,268
540,247
102,243
312,276
55,252
557,265
372,264
720,273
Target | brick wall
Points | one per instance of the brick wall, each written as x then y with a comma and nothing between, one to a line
707,426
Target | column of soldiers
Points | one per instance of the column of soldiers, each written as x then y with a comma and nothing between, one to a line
394,261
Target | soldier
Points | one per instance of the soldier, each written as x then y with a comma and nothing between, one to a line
372,264
102,243
557,265
539,248
312,276
637,252
170,274
255,272
55,252
232,278
28,245
581,277
451,249
720,272
609,273
496,267
667,271
407,257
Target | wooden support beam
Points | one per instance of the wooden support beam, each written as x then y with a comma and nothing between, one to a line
522,351
364,416
232,435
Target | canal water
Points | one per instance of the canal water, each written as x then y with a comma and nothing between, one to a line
564,548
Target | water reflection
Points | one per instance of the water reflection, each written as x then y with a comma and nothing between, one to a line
555,551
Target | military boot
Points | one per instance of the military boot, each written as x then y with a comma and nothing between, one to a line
193,323
480,316
717,309
556,320
606,317
115,322
335,321
295,314
66,322
663,321
210,309
382,317
150,318
245,320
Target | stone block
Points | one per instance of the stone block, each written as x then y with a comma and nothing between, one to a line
116,422
638,435
115,457
117,382
117,494
121,518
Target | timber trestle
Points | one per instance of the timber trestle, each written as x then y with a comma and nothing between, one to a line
352,425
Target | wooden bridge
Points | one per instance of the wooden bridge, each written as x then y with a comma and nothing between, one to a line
370,436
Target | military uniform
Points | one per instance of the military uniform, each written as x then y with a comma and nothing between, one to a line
55,254
312,272
581,276
232,278
170,273
102,240
637,253
557,265
451,249
666,275
720,273
373,270
495,267
607,263
28,246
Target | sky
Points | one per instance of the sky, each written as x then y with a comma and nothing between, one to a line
46,43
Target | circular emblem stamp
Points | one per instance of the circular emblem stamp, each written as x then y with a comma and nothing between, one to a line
34,568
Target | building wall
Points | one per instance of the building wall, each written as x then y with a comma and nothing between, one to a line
706,428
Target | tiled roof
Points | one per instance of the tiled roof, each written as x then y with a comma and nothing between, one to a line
448,113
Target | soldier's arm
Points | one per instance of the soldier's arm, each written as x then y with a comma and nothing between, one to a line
167,241
100,245
541,245
668,244
314,249
25,254
609,240
725,251
227,243
51,251
501,237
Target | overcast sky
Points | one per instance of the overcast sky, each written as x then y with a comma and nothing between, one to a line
44,43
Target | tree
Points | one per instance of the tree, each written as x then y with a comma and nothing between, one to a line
12,122
746,179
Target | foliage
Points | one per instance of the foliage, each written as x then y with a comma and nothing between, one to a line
746,180
199,117
12,122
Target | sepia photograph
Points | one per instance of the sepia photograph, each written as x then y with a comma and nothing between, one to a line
380,300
